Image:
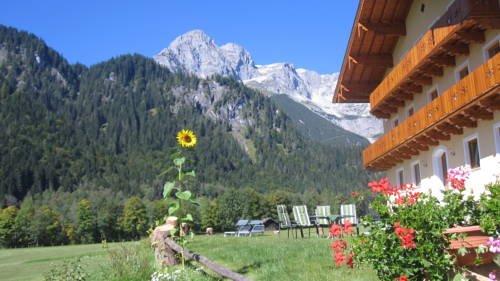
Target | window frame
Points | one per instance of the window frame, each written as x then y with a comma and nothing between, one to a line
488,45
436,162
467,156
398,179
496,138
414,175
408,110
429,92
461,67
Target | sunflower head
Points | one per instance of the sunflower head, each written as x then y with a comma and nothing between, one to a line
186,138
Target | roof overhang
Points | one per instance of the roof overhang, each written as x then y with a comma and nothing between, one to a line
374,35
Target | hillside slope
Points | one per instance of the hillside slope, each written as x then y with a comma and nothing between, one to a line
113,125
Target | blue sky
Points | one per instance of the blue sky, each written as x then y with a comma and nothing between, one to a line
311,34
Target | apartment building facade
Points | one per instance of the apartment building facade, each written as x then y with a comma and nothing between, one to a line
431,70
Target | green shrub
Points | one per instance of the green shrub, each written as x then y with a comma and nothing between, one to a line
70,270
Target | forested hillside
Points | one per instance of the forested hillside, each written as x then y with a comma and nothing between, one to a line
84,133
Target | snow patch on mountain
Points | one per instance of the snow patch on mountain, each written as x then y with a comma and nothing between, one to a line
196,53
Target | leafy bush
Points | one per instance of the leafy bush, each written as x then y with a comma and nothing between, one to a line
408,243
70,270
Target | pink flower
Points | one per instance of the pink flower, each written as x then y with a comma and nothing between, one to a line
457,177
492,276
494,244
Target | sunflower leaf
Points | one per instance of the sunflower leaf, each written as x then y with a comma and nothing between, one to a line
167,188
183,195
192,174
173,207
179,161
188,217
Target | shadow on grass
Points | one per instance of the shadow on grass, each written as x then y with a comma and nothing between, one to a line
246,268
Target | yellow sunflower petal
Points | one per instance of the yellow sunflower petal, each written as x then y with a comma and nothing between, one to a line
186,138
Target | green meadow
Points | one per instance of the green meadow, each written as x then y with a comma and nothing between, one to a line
268,257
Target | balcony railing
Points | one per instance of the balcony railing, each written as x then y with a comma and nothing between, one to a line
464,21
472,98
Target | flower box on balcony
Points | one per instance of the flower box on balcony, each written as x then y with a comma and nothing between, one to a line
474,237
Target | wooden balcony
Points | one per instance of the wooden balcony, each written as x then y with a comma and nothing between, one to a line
473,98
463,23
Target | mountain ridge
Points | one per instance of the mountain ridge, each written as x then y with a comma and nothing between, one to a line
197,53
113,125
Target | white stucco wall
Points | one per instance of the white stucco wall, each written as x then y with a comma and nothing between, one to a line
488,135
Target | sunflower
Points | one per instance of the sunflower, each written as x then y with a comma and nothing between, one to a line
186,138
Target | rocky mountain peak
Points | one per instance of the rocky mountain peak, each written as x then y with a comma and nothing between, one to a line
196,53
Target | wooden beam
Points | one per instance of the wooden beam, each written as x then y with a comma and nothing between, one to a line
412,88
450,129
389,29
434,70
418,145
472,36
395,101
436,134
457,49
422,80
426,140
373,60
359,87
463,121
379,114
479,112
404,95
444,60
409,150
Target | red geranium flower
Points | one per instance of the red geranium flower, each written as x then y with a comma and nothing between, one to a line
403,278
405,235
347,227
383,186
335,230
338,245
350,260
339,258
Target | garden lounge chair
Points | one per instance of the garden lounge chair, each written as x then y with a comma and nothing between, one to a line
323,216
348,212
241,226
284,220
257,227
302,220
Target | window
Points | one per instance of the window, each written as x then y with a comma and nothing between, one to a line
444,166
462,71
396,122
496,134
471,148
411,111
401,177
433,95
440,163
416,173
493,49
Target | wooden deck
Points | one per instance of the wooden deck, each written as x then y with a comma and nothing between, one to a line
473,98
463,23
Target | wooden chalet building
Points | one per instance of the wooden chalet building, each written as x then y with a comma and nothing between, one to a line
431,70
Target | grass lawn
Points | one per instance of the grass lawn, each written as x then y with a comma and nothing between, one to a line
31,263
267,257
272,257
